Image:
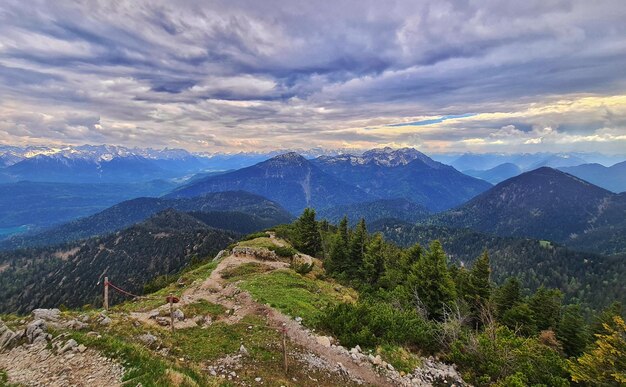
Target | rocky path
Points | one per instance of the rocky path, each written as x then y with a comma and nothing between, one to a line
36,365
217,290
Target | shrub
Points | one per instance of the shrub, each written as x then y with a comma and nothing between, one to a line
374,323
255,235
301,267
283,251
498,356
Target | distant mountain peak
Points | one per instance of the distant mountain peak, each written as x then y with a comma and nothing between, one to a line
386,157
289,159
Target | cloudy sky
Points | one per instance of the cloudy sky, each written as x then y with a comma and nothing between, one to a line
223,76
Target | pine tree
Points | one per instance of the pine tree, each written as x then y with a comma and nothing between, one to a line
307,233
357,249
508,295
480,280
572,331
430,280
546,306
374,260
343,230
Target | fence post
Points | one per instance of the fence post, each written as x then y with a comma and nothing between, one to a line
172,311
106,293
285,347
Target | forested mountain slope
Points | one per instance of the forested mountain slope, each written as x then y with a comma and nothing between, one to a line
288,179
404,173
72,274
545,204
261,211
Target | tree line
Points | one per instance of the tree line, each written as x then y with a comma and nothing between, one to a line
496,333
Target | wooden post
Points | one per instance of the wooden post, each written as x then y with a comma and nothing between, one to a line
172,311
285,347
106,293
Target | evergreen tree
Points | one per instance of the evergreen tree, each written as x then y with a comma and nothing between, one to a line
546,306
343,230
338,260
480,280
520,318
357,249
508,295
430,280
374,260
572,331
307,234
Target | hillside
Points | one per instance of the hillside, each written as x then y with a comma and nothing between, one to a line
259,211
378,209
536,263
228,329
72,274
288,179
404,173
543,204
612,178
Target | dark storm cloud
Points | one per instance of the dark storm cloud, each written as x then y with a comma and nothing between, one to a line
307,73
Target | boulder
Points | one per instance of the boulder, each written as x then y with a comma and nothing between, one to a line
70,345
7,336
36,332
104,320
76,325
163,321
324,341
50,315
148,339
243,350
81,348
178,315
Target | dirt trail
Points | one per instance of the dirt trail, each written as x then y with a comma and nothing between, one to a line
217,290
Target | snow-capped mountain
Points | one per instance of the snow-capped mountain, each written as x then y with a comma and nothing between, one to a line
386,157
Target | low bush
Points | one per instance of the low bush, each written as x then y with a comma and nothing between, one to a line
370,324
284,251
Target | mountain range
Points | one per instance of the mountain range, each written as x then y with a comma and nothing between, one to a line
612,178
242,212
404,173
330,181
289,179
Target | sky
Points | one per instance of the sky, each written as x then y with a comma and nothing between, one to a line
229,76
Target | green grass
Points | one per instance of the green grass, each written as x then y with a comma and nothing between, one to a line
244,270
202,308
4,380
400,358
157,298
221,339
296,295
141,365
259,243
